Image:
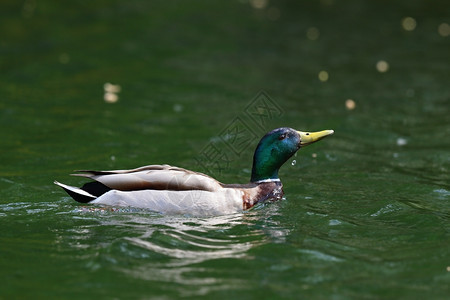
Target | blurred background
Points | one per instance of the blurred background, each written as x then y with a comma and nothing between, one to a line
121,84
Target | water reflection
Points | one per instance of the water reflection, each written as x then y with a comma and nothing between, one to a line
188,241
192,255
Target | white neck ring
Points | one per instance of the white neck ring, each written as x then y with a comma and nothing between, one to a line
268,180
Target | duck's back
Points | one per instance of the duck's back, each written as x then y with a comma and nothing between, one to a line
154,177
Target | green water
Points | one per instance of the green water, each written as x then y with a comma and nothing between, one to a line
366,214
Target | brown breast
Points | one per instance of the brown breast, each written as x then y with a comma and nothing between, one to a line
264,191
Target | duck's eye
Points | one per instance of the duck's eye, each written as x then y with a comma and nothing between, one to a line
307,133
282,137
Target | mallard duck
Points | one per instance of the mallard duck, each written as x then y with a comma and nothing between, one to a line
173,190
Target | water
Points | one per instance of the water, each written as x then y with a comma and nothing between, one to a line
366,214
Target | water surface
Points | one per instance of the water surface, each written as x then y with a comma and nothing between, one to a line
366,213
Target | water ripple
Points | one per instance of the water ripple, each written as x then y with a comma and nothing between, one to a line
183,250
195,256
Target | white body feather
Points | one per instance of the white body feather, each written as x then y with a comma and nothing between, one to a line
195,203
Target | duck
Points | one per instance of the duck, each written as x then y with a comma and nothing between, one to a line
168,189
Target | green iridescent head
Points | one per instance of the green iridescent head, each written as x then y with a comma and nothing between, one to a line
277,146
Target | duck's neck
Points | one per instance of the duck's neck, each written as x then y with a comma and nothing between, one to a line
265,167
261,176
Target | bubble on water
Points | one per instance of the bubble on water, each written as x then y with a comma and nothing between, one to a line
111,92
323,76
402,141
294,162
259,4
111,97
409,23
350,104
444,29
112,88
178,108
382,66
312,33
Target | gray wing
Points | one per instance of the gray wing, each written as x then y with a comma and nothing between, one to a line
156,177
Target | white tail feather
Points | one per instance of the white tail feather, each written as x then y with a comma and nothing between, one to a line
74,189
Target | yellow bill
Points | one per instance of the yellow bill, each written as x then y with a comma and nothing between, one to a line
307,138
